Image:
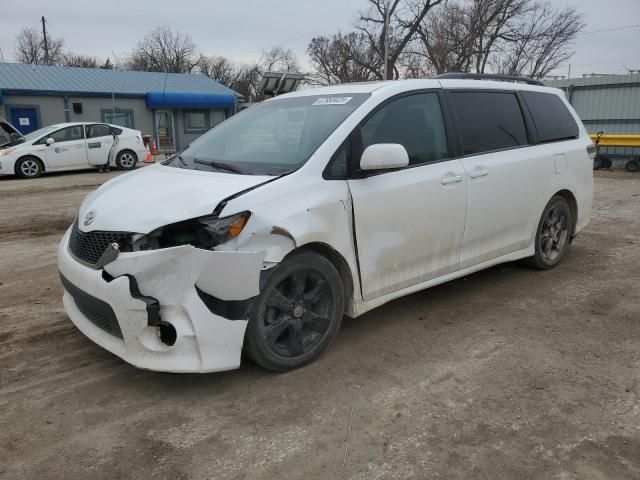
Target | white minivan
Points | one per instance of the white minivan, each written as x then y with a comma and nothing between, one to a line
261,235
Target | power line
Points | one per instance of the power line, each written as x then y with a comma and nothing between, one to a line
613,29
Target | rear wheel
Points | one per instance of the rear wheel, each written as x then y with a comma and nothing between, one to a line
126,160
632,166
298,313
29,167
553,234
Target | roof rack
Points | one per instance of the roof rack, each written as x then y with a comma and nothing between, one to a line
490,76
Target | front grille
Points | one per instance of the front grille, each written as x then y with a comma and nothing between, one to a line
95,310
89,247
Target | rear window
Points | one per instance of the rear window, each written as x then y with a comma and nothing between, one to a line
488,121
551,116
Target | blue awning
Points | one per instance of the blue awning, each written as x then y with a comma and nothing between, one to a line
191,101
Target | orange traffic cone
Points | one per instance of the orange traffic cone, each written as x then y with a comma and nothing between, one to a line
149,158
154,147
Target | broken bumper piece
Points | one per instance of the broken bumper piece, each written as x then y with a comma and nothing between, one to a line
147,309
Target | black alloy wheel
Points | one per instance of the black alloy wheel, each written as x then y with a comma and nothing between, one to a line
297,314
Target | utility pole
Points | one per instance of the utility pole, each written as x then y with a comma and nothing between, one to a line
569,72
386,40
46,45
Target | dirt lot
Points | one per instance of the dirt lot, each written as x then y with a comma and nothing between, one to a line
509,373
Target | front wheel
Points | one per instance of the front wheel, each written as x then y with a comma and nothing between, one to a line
553,234
29,167
297,314
126,160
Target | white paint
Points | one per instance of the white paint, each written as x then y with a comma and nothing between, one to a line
384,156
414,228
76,153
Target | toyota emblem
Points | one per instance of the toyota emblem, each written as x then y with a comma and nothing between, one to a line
89,218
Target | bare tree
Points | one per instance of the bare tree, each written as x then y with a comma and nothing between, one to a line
525,37
163,50
341,59
70,59
447,40
405,17
220,69
107,65
30,48
541,42
279,59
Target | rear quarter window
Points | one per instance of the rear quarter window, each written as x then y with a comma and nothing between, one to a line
551,117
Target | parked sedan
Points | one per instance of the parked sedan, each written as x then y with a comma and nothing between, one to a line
72,146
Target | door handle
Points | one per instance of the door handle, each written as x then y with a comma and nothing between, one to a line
451,178
479,172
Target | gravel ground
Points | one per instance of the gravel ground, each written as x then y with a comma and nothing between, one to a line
509,373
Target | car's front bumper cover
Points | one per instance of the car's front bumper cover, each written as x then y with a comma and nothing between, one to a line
205,342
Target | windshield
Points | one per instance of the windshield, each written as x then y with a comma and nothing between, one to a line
39,133
271,138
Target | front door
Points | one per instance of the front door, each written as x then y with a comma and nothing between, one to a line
504,179
69,149
100,141
165,131
409,222
25,119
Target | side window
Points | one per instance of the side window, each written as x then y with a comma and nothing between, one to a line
338,166
488,121
415,122
65,135
95,131
551,116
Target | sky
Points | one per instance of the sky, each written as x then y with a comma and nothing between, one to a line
242,29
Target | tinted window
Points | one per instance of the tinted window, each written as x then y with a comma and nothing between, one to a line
64,135
116,130
488,121
551,117
415,122
95,131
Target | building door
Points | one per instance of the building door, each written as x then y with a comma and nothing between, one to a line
25,119
165,131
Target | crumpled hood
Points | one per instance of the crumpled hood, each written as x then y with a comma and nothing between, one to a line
155,196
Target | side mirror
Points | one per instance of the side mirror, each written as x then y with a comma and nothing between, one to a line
50,141
384,156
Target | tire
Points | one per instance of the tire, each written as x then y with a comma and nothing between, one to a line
29,167
606,163
126,160
632,166
553,235
597,163
297,314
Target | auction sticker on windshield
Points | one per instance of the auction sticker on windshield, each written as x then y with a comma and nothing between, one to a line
332,101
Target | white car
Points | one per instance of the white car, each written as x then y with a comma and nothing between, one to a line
319,203
72,146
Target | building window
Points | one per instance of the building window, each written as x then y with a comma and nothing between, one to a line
124,118
196,121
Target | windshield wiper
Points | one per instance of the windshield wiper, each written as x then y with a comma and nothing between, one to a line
220,166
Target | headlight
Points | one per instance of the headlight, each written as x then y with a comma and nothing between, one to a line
204,232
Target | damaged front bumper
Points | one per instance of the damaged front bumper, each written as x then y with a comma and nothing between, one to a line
150,293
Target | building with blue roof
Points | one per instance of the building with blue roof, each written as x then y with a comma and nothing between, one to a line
173,108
